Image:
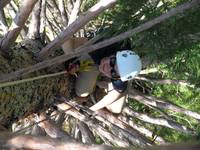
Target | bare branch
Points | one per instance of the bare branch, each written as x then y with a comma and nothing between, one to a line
92,124
34,26
61,6
165,81
126,131
9,142
3,22
142,130
51,129
87,135
76,25
158,121
17,24
75,11
149,100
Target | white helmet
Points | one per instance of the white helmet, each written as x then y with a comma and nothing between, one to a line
129,64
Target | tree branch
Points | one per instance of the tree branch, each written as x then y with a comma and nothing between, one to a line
76,25
17,25
149,100
158,121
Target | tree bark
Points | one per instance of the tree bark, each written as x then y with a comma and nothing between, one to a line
17,25
163,104
80,51
158,121
76,25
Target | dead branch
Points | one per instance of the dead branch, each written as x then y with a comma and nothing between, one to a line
163,104
165,81
76,25
142,130
51,129
75,11
17,25
87,135
54,19
126,131
158,121
92,124
34,26
3,22
63,12
43,21
10,141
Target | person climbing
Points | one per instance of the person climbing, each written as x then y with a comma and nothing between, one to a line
119,67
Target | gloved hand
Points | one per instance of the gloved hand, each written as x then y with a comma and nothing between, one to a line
73,68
